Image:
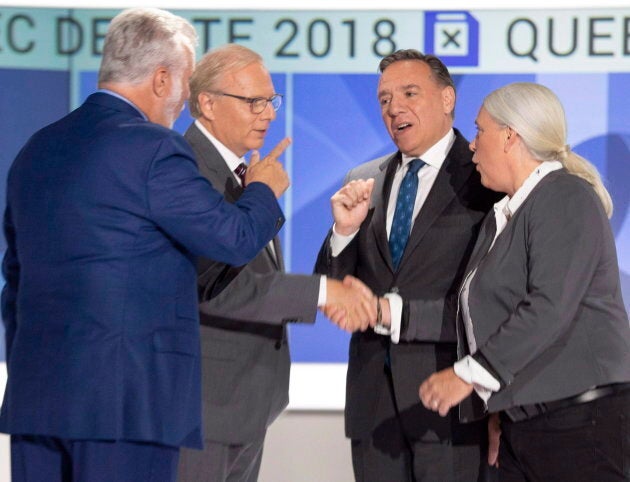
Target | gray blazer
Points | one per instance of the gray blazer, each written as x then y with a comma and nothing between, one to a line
243,311
546,303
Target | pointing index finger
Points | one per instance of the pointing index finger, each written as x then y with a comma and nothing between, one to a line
277,151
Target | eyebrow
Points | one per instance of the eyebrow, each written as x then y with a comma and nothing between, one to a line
403,88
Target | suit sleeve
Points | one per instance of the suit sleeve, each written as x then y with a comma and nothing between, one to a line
191,211
337,266
11,273
345,262
433,318
272,298
564,246
429,319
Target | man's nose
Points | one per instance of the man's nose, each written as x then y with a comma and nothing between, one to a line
395,106
268,113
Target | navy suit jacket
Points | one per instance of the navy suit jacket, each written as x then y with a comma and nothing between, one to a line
105,215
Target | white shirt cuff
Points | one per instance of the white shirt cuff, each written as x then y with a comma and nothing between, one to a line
338,242
395,310
323,293
469,370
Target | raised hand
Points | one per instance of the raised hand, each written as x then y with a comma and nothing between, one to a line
350,205
350,304
443,390
269,170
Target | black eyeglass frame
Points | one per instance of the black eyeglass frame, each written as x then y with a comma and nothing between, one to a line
275,100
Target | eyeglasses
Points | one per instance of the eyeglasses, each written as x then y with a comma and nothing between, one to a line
257,104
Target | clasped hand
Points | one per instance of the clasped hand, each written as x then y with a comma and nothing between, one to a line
350,304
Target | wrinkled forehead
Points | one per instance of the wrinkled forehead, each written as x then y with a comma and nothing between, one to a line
405,74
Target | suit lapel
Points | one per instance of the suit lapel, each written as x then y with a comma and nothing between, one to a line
383,186
214,168
212,165
277,259
455,171
484,240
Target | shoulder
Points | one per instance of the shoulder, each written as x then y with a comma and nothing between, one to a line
563,189
371,168
154,137
564,199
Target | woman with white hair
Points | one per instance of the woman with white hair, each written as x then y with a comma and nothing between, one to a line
543,334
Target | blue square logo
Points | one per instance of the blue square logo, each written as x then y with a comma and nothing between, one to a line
453,36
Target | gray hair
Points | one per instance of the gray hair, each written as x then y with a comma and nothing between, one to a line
536,114
139,40
213,66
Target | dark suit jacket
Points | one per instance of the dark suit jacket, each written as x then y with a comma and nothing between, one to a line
105,212
245,355
429,273
546,303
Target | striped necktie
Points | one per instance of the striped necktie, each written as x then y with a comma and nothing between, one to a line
240,171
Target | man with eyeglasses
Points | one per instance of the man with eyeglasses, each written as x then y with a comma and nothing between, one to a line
244,310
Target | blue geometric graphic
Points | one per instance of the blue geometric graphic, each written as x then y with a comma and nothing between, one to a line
453,36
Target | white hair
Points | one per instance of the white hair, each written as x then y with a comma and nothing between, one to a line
139,40
536,114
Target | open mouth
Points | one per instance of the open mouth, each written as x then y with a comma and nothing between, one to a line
402,127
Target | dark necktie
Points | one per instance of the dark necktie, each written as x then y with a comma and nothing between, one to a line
240,171
401,224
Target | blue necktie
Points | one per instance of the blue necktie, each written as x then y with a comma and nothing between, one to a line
401,224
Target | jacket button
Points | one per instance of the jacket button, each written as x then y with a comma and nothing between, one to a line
278,345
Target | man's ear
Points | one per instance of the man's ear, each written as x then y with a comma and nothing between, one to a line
448,99
207,104
161,82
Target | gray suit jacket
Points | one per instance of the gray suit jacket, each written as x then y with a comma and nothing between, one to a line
440,242
243,312
546,305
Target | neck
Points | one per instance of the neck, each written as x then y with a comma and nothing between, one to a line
138,94
523,171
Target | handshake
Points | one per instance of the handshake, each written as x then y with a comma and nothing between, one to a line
352,306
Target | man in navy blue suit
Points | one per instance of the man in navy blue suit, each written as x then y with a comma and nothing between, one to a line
106,212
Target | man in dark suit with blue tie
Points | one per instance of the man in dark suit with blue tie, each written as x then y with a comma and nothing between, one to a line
244,310
405,225
106,212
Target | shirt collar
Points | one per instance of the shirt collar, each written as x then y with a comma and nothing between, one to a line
507,206
231,159
436,154
124,99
